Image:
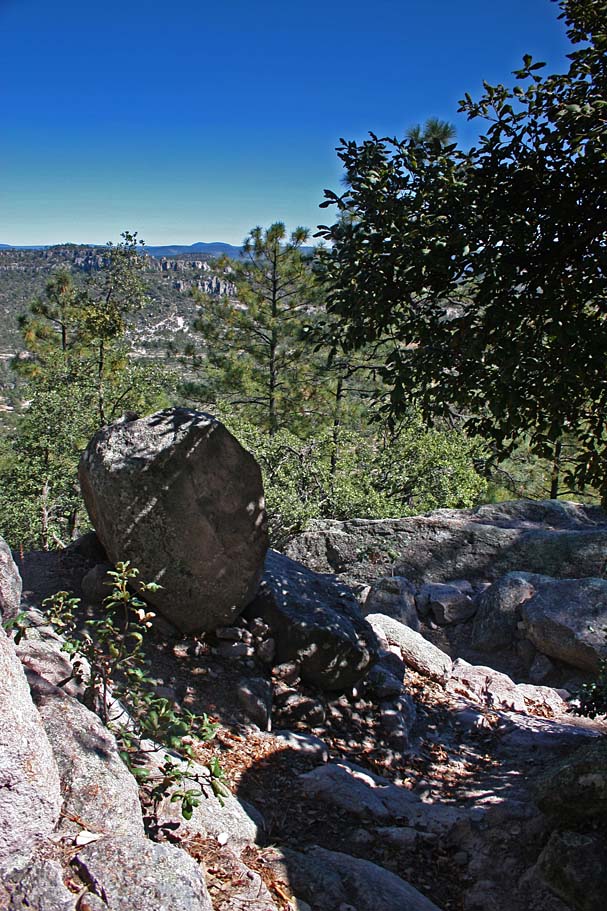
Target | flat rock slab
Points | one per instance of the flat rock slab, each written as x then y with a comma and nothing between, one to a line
177,495
332,880
498,691
368,796
134,874
417,652
30,793
526,732
315,621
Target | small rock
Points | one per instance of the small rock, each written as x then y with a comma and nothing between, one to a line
255,696
398,836
97,584
258,628
297,708
234,634
446,602
395,597
383,683
306,744
234,650
288,672
266,651
397,719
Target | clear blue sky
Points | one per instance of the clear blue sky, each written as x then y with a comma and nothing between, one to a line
197,120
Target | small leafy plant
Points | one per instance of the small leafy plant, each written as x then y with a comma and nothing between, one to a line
17,626
108,659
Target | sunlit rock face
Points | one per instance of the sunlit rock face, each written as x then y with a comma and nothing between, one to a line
177,495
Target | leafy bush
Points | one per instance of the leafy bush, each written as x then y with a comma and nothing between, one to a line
108,659
417,471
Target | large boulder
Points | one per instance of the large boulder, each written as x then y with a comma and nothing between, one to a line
315,621
498,613
554,537
30,795
132,872
178,496
573,867
333,880
567,619
575,789
359,792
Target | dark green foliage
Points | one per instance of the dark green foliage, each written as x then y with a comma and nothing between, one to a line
484,271
593,695
254,352
416,471
76,375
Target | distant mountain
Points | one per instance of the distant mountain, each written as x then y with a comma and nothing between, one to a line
212,249
26,246
216,248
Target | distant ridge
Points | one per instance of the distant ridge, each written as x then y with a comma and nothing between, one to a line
217,248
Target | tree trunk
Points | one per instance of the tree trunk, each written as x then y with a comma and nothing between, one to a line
556,470
273,379
339,395
44,515
100,383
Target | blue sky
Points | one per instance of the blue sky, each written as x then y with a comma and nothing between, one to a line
196,121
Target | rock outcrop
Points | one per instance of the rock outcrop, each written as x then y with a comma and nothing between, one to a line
10,584
549,537
30,795
180,498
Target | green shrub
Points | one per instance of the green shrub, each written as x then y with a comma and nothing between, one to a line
108,660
